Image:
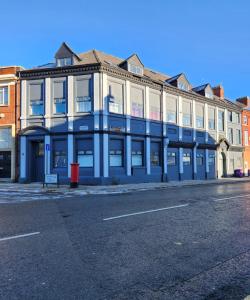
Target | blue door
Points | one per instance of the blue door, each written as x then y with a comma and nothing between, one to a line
37,162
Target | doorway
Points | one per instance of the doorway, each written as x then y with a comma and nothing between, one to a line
37,162
222,170
5,164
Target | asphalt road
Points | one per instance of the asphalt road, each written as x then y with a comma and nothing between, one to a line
180,243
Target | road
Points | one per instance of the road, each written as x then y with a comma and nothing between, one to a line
179,243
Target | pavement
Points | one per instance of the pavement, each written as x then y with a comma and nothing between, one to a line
178,243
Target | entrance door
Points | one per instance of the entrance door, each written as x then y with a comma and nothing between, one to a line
37,163
222,170
5,164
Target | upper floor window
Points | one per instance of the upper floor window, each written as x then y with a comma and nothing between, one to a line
211,118
36,99
246,138
230,116
137,102
171,110
209,95
115,97
59,97
4,95
199,116
83,95
237,118
230,135
245,120
187,116
61,62
135,69
154,106
183,86
238,136
221,120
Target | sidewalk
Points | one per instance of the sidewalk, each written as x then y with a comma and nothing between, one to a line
113,189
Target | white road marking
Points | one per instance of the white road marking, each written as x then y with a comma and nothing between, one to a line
145,212
18,236
233,197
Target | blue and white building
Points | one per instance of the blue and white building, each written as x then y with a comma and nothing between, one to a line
123,122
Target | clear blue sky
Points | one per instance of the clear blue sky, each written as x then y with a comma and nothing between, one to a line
207,40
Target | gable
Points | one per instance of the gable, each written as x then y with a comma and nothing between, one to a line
133,64
183,83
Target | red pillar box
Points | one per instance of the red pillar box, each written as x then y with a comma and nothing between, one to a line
74,179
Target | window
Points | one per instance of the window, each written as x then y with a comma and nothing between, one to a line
172,160
154,106
238,137
85,158
83,95
116,153
60,97
221,120
137,154
135,69
61,62
137,102
199,159
5,138
211,118
209,94
230,135
155,154
246,138
237,118
183,86
116,98
211,159
59,154
199,116
186,109
4,95
171,110
245,120
230,116
36,99
186,159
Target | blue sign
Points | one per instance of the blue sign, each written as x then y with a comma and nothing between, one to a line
47,147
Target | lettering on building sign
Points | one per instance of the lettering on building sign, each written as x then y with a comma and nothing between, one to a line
51,179
84,127
117,129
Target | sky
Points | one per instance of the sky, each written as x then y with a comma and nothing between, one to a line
208,40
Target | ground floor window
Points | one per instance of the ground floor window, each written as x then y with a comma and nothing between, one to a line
172,159
186,159
60,159
116,153
85,158
137,154
155,154
199,159
211,159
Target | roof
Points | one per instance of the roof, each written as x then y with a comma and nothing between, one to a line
200,88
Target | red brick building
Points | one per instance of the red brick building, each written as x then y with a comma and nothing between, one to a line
9,122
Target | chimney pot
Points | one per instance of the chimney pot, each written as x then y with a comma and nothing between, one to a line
219,91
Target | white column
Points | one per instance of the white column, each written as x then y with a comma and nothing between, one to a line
147,112
96,155
217,123
165,156
70,152
105,155
148,161
164,113
195,161
47,151
179,117
181,161
70,102
128,155
207,160
127,105
105,100
194,119
225,122
24,104
206,122
97,104
48,103
23,157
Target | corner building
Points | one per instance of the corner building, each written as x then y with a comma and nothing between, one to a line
123,123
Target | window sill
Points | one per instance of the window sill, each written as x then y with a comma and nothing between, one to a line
4,105
58,116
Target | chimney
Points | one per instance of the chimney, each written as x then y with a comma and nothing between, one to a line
244,100
219,91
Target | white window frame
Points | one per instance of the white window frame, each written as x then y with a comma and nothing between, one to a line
8,95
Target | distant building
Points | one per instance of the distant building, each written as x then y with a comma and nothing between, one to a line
123,122
9,122
245,101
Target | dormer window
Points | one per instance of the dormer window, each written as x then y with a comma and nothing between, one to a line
135,69
183,86
61,62
209,95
